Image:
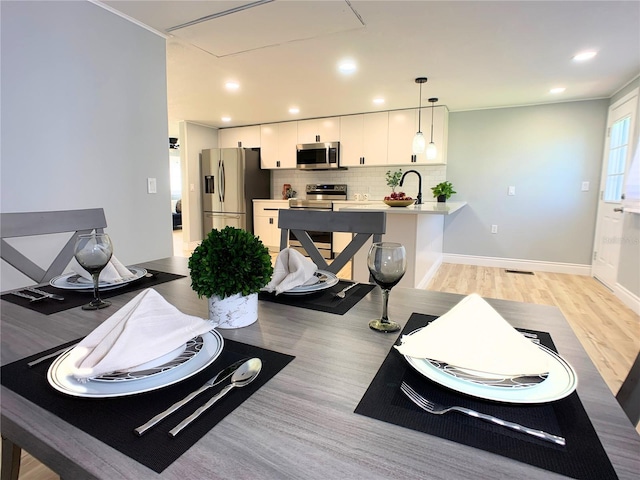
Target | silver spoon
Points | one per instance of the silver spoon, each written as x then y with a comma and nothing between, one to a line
242,377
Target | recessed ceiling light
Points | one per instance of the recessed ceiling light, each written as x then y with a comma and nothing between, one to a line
226,119
378,100
347,67
581,57
294,110
557,90
232,85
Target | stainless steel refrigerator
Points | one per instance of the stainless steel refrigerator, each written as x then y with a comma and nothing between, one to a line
231,178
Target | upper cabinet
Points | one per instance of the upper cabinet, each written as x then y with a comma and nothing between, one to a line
363,139
403,125
240,137
319,130
278,145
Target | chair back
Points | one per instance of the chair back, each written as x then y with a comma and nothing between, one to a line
27,224
629,394
299,222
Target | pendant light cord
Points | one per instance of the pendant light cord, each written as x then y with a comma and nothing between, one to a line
420,111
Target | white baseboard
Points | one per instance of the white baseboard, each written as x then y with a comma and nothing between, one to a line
430,274
518,264
628,298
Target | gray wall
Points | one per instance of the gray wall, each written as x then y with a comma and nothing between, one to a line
546,152
629,267
84,122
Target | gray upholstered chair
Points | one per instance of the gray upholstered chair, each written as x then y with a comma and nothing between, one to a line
363,224
27,224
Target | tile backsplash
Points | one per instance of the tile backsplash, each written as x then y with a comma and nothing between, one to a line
369,180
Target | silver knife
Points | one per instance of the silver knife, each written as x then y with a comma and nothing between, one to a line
218,378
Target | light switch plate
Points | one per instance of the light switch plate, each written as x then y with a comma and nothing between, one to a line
152,185
585,186
512,190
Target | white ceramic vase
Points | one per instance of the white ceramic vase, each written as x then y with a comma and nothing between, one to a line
235,311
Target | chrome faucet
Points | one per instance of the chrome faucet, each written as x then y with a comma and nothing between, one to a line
419,198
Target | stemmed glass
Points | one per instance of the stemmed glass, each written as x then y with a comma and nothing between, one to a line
387,263
93,253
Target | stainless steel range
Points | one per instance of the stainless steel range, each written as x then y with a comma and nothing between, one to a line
318,197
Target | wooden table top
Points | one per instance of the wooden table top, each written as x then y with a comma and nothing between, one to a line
301,424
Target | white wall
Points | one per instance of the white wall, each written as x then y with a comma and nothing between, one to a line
84,122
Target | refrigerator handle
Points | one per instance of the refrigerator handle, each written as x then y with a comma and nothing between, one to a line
222,181
209,184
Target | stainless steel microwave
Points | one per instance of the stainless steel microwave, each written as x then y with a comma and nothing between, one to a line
318,156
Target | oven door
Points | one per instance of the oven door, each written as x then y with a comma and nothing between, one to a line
322,240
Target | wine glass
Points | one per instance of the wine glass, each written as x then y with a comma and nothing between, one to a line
93,252
387,263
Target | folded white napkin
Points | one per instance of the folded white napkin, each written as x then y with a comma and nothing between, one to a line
473,335
146,328
113,272
292,269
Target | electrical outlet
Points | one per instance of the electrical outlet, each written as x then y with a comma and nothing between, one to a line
365,196
585,186
152,185
512,190
494,228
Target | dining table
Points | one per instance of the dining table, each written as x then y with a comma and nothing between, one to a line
332,410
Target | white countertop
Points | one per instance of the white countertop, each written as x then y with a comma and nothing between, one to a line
437,208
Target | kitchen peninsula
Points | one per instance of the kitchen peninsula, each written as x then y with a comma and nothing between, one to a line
420,228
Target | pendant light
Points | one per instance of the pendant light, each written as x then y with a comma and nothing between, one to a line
419,142
432,151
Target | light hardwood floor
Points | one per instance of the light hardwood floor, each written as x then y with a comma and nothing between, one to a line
609,331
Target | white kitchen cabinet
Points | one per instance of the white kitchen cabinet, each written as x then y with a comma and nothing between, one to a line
319,130
364,139
278,145
403,125
239,137
265,222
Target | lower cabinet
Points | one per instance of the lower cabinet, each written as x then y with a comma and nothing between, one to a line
265,222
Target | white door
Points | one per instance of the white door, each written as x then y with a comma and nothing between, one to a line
616,162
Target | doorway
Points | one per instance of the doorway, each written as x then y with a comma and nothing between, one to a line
615,168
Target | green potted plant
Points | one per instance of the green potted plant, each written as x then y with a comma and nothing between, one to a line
443,191
230,267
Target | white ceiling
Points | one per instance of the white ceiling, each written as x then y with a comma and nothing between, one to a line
476,54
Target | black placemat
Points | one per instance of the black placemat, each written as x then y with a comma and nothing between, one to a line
112,420
324,301
73,298
583,457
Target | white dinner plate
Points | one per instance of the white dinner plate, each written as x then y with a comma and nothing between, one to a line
157,366
327,280
73,281
61,378
561,382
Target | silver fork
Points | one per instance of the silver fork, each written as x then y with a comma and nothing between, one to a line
431,407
